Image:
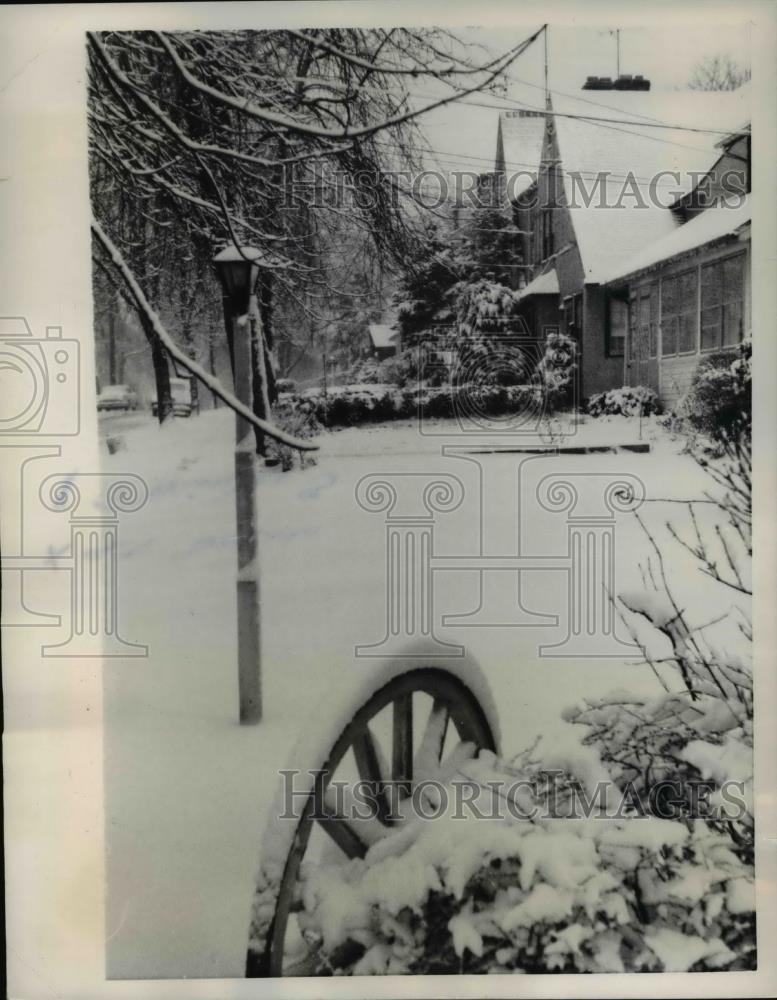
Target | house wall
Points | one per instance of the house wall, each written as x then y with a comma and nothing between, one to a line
541,312
669,376
674,373
599,372
381,353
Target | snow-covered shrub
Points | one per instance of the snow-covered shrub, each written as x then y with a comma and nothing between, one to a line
701,728
298,417
628,402
557,370
658,876
486,307
719,400
285,385
368,371
413,367
463,894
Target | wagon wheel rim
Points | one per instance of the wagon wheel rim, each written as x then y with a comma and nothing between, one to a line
454,708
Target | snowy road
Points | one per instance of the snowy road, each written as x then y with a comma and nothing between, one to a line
113,422
177,763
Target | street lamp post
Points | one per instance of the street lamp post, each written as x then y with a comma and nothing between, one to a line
237,269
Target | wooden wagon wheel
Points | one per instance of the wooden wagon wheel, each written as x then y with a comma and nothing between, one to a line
413,712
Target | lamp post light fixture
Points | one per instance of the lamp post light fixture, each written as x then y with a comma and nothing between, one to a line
238,270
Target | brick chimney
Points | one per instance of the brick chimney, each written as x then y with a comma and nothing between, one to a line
624,82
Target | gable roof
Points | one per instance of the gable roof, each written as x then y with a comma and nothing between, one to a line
382,336
630,164
519,148
708,226
543,284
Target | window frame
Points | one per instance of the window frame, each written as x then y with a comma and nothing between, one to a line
741,255
622,303
693,312
648,290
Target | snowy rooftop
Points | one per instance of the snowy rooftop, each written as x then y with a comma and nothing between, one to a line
630,163
711,225
544,284
520,141
382,336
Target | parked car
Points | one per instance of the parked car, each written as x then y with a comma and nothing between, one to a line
181,391
117,397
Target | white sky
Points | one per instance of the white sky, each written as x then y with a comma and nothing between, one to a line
666,56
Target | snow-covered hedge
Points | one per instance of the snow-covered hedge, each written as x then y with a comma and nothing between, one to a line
465,894
351,406
625,402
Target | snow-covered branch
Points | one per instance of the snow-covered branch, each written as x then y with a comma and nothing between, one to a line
183,360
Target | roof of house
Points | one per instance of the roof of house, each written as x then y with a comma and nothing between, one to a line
382,336
641,168
543,284
713,224
522,139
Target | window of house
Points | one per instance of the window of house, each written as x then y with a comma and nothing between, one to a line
722,302
678,314
643,323
616,328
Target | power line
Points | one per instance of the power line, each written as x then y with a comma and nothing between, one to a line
601,122
523,106
578,97
453,158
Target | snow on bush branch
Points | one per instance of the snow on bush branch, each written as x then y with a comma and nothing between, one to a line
618,893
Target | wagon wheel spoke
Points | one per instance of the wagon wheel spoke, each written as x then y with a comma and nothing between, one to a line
371,767
340,830
402,744
433,740
277,953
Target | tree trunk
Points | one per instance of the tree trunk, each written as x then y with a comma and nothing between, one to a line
212,364
112,372
161,374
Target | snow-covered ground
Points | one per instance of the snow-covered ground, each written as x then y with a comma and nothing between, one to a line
187,788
